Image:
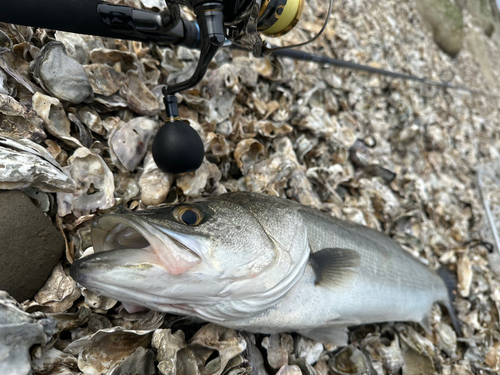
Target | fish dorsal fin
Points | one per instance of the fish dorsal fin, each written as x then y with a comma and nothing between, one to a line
334,267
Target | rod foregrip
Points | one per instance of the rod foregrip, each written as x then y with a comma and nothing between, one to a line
77,16
93,17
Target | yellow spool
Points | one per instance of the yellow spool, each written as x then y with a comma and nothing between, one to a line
287,20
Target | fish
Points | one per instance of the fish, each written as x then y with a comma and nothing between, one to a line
259,263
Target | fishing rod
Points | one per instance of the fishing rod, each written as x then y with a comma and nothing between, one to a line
239,24
305,56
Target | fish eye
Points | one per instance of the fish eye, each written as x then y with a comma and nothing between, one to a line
188,216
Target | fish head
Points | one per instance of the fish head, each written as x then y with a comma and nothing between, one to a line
184,257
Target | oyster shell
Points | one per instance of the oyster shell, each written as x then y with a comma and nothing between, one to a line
17,68
75,45
55,120
91,118
278,347
349,360
60,75
447,339
109,103
95,185
43,201
84,135
193,183
168,345
58,293
387,349
289,370
415,363
19,331
178,65
4,87
122,61
107,348
54,362
17,122
253,354
308,349
247,153
96,301
141,362
103,79
129,141
27,164
155,184
216,110
5,41
465,274
222,342
139,98
126,187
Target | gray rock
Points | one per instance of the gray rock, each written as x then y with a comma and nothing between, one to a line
477,47
446,22
485,15
30,246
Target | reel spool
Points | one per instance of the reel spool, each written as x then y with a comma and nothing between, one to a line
278,17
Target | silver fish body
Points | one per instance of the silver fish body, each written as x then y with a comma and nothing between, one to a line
258,263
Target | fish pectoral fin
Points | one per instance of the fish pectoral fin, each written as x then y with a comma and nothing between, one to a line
331,335
334,267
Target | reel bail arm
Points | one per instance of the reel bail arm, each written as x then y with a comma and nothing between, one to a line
210,19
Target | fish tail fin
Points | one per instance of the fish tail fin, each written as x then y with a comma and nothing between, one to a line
450,281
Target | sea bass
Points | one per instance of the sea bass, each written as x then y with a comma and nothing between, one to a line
258,263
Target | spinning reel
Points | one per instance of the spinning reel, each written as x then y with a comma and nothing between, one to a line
177,147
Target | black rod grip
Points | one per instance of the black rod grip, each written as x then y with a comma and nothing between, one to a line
77,16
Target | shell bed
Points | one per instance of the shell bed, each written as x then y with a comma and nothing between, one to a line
397,156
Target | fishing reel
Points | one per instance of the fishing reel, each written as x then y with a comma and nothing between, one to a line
177,147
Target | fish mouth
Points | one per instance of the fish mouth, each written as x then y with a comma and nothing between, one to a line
175,252
128,246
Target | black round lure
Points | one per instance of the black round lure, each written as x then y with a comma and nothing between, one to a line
177,147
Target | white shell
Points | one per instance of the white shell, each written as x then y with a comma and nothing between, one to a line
17,122
89,171
154,183
59,292
56,122
27,164
107,348
129,141
19,331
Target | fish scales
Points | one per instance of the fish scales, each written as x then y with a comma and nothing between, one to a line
258,263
